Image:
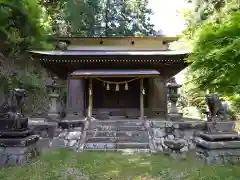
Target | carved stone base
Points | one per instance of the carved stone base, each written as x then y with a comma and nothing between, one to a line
220,126
68,124
53,117
175,116
218,156
218,147
72,116
19,142
15,134
18,150
8,124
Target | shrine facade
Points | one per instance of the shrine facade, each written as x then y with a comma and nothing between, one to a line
114,76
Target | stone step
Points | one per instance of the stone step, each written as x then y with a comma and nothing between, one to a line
118,122
101,139
117,117
130,128
222,136
132,145
116,128
142,138
100,146
210,145
92,133
105,127
129,145
119,150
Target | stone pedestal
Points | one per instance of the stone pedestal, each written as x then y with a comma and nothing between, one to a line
53,106
175,116
217,147
17,143
18,151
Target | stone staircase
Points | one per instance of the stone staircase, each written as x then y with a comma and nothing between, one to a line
117,134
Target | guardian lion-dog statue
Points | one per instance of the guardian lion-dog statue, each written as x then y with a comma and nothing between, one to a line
217,108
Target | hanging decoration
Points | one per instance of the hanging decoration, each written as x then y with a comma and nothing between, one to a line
117,87
143,91
126,86
107,83
108,87
90,91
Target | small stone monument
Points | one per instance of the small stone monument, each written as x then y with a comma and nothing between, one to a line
18,144
173,96
54,94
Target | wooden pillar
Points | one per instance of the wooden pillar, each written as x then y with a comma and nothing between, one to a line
75,97
157,98
90,102
141,99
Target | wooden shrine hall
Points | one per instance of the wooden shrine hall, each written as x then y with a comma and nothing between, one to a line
114,76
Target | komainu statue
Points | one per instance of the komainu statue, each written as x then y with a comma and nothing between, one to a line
217,107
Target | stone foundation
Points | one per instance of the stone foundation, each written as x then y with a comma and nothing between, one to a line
163,135
69,138
214,148
43,128
70,134
66,133
18,151
218,156
178,137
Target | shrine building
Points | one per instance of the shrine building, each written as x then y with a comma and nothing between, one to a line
115,76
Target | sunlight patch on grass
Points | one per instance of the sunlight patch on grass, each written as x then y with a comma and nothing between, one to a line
65,164
144,163
113,173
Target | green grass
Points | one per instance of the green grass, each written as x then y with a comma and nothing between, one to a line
55,164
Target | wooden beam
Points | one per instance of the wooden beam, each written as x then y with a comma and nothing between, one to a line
90,101
141,99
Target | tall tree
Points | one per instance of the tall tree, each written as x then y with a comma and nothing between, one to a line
109,17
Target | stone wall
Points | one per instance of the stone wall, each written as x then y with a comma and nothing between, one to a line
177,137
164,135
67,138
17,155
65,133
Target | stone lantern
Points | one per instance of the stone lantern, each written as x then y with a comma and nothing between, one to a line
173,96
54,90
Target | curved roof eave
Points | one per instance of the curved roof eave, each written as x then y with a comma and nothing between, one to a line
106,52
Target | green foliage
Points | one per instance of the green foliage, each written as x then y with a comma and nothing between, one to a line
214,36
216,52
23,26
109,18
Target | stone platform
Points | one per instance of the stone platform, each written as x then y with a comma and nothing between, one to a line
216,147
65,133
170,137
178,137
18,143
18,150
